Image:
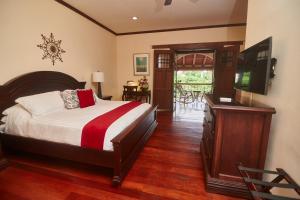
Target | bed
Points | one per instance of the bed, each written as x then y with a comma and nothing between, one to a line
121,151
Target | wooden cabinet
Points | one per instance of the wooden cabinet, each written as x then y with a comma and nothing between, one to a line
233,134
208,133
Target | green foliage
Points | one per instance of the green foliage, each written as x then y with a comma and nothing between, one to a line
193,77
194,81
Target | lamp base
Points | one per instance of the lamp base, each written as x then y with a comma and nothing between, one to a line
99,90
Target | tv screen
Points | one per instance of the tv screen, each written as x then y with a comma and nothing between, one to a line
253,68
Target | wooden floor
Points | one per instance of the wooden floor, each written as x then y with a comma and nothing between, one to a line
169,167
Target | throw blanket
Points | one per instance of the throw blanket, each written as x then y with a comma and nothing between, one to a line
93,133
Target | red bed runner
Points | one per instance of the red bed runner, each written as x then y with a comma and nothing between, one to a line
93,132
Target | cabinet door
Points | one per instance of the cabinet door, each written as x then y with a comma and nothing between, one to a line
206,141
208,134
163,80
224,71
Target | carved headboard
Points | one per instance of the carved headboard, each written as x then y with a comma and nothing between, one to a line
34,83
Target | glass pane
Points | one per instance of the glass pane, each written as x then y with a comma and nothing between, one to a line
163,60
227,58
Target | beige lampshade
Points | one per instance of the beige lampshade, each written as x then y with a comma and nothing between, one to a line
98,77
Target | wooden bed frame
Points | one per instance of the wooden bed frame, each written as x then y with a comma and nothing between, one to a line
126,145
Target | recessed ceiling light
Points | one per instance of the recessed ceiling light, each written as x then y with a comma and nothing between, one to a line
134,18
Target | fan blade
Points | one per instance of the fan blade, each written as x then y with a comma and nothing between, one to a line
168,2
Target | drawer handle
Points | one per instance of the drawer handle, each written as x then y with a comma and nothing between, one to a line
204,110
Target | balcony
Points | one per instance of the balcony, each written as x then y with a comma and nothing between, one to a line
189,102
190,92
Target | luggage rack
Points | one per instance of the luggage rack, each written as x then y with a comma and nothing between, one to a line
260,190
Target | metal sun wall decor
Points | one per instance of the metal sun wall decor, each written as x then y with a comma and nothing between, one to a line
51,48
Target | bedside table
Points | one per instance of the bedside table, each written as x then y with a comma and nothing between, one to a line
106,98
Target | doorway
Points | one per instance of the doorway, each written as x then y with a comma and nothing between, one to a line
189,88
216,60
193,77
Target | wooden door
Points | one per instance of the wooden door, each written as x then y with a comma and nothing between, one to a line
163,80
224,71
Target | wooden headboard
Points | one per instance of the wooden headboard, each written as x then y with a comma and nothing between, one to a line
35,83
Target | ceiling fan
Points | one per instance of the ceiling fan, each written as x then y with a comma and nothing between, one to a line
161,3
168,2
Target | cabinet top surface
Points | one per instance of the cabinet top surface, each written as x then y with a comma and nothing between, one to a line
214,103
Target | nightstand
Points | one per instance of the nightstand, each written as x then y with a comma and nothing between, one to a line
106,98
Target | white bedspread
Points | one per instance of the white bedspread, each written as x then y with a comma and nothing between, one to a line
66,126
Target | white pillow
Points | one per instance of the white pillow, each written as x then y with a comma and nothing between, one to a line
2,128
9,110
42,104
17,119
4,119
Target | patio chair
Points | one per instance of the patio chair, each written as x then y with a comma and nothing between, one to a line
185,96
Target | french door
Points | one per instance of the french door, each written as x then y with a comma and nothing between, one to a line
163,79
224,71
224,74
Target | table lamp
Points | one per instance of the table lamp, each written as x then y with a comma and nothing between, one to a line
98,77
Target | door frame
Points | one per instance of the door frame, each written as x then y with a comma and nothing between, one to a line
212,46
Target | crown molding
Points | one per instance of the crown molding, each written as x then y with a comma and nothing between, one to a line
183,29
85,16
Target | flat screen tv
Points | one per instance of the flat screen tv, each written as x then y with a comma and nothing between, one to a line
254,67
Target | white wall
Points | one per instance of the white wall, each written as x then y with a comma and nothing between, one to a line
127,45
88,47
280,19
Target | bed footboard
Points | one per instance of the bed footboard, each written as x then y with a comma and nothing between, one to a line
130,142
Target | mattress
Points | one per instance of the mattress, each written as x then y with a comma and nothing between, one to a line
66,126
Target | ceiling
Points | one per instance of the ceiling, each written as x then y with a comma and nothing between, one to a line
153,15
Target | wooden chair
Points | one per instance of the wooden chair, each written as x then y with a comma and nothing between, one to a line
129,93
185,96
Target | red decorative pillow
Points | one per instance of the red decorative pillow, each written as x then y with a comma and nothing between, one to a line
86,98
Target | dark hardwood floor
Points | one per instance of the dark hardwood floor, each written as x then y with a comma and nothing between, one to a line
169,167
